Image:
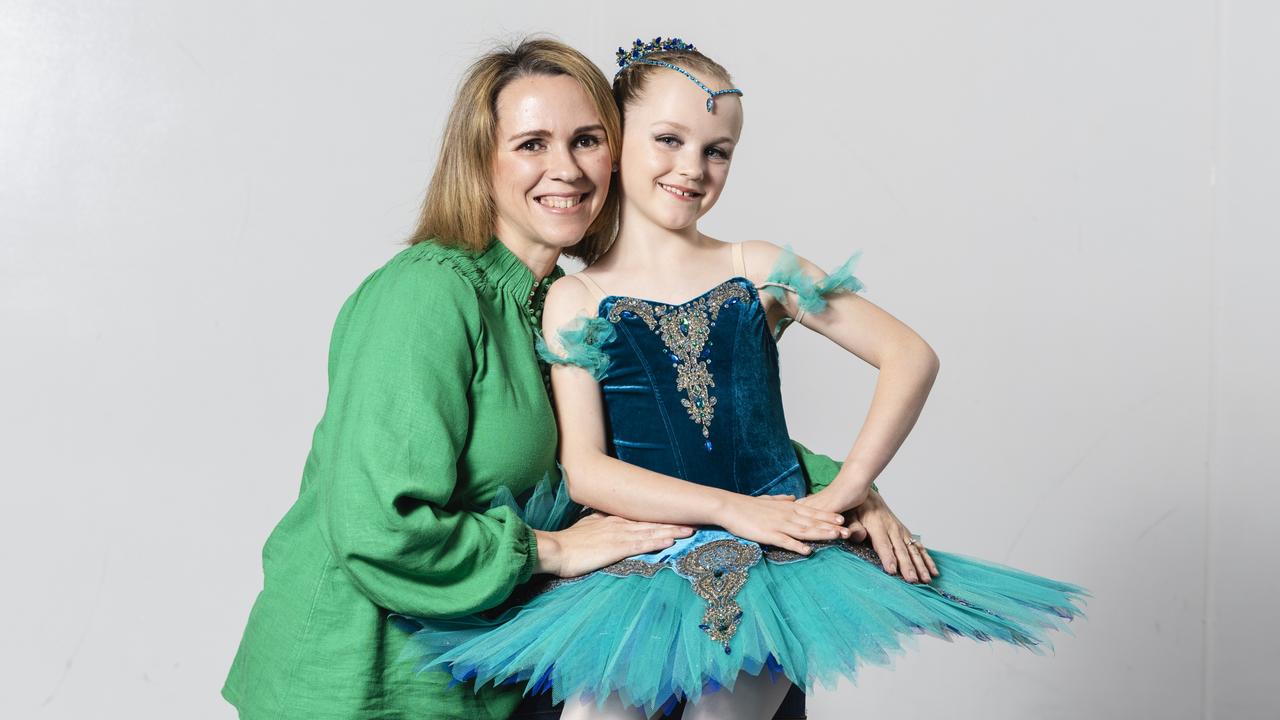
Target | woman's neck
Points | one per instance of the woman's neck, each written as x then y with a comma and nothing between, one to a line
538,257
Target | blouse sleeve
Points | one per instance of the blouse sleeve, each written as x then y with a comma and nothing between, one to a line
582,340
819,470
396,423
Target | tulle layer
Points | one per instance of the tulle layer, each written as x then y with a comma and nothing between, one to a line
645,637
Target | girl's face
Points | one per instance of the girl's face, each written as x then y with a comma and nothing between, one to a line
551,164
675,154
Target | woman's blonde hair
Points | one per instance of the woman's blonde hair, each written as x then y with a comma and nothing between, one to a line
459,208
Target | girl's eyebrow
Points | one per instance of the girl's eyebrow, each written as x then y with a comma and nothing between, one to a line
677,126
546,133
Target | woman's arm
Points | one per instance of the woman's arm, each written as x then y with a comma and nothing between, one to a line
873,521
603,482
907,367
398,413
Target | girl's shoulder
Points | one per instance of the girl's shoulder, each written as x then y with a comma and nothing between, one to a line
572,295
759,257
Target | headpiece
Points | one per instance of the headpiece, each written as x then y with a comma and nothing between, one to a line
640,50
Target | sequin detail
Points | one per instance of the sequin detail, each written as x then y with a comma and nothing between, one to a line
861,549
684,330
718,570
630,566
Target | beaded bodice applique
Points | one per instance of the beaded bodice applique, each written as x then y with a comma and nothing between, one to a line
685,330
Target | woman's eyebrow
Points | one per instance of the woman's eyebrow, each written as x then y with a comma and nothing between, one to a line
547,133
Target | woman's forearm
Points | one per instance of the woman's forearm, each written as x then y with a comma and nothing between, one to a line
906,376
609,485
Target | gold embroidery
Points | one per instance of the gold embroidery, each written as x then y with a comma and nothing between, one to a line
684,330
861,549
718,570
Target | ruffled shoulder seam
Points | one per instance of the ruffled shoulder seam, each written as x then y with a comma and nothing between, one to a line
461,261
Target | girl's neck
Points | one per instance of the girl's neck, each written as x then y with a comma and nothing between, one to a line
642,245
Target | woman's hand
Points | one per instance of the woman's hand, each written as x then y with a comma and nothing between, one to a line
781,521
891,540
599,540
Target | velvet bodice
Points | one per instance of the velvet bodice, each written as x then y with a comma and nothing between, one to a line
692,391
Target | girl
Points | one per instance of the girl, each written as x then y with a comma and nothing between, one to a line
667,395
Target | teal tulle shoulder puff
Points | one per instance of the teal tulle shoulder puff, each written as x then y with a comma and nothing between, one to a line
547,507
582,340
811,295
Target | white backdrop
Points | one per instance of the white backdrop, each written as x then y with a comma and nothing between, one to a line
1073,202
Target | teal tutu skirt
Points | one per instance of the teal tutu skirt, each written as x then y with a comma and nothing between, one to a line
667,626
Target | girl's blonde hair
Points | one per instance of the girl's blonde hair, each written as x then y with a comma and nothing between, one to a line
459,208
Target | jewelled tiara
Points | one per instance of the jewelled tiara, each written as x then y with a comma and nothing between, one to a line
638,54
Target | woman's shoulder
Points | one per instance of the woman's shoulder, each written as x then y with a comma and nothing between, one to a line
425,277
430,260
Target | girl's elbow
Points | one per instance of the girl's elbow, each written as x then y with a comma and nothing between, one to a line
929,360
573,480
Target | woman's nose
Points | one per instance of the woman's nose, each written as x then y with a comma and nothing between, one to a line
564,166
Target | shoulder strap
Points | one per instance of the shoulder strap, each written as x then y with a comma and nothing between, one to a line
739,267
595,289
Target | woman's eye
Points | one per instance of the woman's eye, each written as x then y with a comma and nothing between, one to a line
531,145
589,141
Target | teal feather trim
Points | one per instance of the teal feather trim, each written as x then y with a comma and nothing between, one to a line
582,340
812,295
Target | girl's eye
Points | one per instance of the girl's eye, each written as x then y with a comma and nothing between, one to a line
717,153
668,140
589,141
532,145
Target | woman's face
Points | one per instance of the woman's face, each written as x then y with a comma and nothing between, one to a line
551,166
675,154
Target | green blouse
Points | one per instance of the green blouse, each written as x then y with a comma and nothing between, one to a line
436,400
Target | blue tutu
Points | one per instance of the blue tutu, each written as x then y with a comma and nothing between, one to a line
661,627
692,391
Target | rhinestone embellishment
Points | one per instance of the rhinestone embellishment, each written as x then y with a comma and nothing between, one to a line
718,570
684,330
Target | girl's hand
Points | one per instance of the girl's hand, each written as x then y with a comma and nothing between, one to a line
781,521
890,539
840,496
599,540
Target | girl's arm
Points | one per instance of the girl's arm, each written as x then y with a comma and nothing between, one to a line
907,367
605,483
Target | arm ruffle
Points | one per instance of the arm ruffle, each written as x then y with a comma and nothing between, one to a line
582,340
811,295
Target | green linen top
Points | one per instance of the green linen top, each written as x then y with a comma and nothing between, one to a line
436,400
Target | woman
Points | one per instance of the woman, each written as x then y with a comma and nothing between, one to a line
436,403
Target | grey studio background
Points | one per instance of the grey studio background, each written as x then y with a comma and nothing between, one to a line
1073,202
